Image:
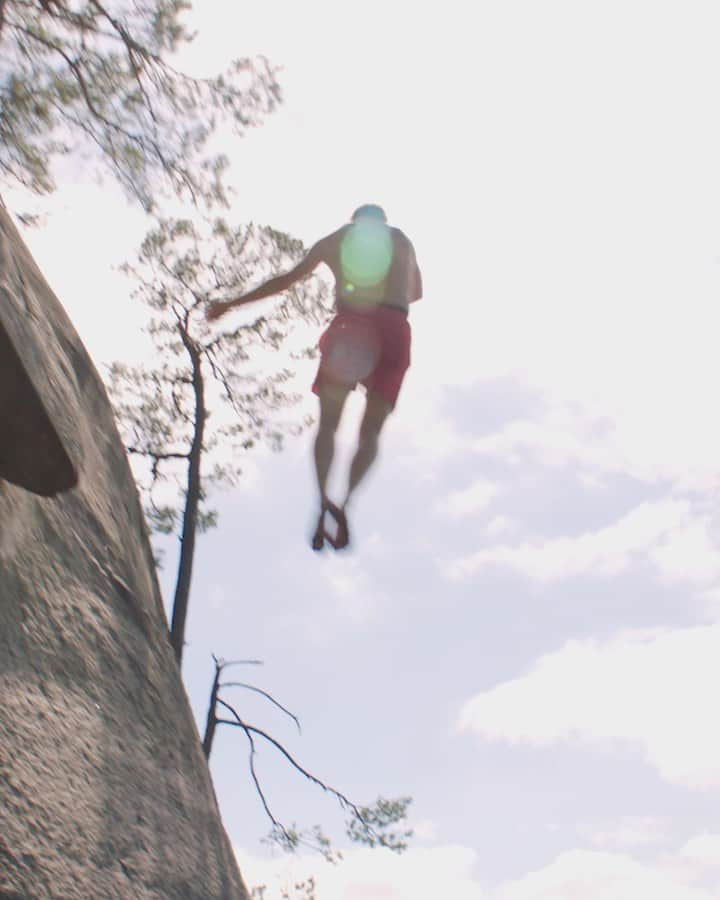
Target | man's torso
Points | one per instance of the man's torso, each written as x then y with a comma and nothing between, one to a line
373,264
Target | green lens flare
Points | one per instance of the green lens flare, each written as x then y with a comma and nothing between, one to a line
366,253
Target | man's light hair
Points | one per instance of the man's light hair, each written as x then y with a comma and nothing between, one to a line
369,211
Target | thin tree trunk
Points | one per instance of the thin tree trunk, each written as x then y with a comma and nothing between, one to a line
192,502
211,723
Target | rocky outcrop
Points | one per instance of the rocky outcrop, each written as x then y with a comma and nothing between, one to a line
104,790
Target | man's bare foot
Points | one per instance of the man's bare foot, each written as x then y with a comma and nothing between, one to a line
342,536
318,539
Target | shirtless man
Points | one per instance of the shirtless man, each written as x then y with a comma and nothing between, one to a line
367,342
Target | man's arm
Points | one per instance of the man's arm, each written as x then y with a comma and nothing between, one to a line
273,286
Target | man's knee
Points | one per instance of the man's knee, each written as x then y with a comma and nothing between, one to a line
370,431
325,434
332,402
376,412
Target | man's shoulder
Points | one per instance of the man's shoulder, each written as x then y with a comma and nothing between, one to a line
400,235
401,240
326,244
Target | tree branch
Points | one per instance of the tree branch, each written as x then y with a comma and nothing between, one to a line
127,38
146,144
257,690
238,662
157,456
258,787
344,802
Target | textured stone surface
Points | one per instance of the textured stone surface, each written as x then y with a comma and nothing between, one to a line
104,791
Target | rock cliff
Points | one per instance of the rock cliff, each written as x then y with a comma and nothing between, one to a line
104,791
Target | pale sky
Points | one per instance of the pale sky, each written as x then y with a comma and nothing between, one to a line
525,636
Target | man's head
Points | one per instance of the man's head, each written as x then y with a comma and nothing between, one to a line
369,211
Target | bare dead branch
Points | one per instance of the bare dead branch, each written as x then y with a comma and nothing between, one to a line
257,690
258,786
238,662
344,802
159,457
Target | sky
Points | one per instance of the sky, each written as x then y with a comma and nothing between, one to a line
525,634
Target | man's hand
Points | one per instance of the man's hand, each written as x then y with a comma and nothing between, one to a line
216,309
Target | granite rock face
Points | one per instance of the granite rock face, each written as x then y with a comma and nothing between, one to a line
104,790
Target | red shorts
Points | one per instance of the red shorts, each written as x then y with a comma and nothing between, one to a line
370,348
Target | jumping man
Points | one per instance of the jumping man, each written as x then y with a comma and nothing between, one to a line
367,342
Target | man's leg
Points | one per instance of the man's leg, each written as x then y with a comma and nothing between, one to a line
377,410
332,400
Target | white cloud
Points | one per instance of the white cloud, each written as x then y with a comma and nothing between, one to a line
667,534
475,498
424,830
593,875
687,553
373,874
499,525
339,594
628,833
350,585
448,871
703,851
654,690
618,430
558,438
350,593
417,433
710,601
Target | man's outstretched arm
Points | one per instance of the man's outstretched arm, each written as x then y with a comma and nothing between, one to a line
273,286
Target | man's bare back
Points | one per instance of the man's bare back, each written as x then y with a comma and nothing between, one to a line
343,252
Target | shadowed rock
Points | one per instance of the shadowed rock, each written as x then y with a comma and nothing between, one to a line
31,452
104,790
